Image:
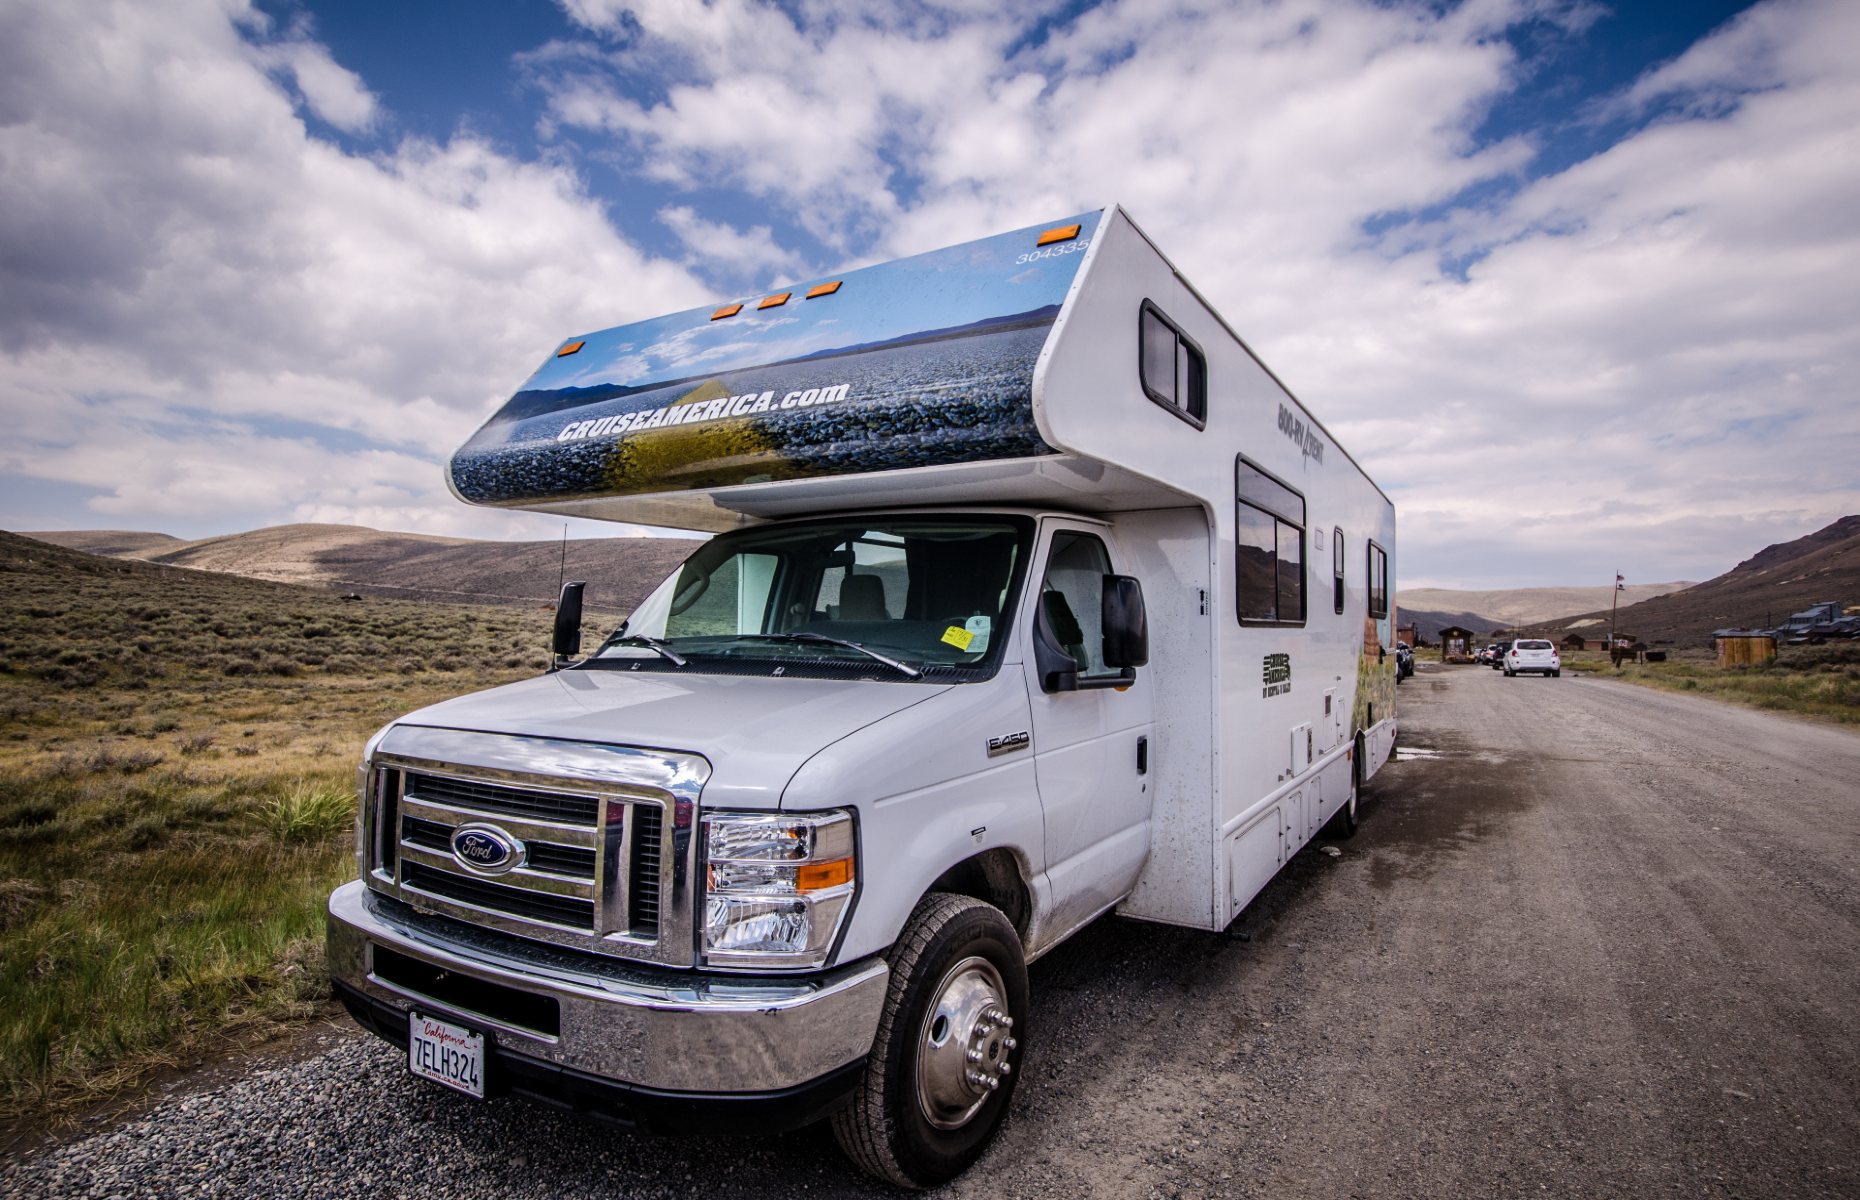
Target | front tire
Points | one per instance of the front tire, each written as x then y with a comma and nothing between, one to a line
947,1055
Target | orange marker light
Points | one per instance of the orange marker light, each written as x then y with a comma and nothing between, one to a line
813,877
728,310
569,349
775,301
1064,233
823,289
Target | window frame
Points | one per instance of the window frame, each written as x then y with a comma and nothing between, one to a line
1195,414
1370,566
1304,598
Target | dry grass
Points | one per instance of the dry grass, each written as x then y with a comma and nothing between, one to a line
177,757
1814,681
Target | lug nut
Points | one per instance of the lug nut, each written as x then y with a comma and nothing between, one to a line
1008,1044
1004,1068
975,1055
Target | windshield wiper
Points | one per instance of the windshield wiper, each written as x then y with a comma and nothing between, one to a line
893,663
651,643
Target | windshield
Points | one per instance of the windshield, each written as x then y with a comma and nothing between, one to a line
887,596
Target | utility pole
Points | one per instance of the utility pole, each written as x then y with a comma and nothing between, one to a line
1620,586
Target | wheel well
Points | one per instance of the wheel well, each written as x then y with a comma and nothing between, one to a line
994,878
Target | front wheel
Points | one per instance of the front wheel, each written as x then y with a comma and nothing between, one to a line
943,1066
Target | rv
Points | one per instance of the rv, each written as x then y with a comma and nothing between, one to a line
1034,597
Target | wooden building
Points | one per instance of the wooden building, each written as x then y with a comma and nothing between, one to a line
1456,644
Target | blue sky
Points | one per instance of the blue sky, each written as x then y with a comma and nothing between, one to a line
1572,279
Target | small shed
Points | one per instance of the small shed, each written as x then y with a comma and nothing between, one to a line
1744,648
1575,641
1456,644
1409,634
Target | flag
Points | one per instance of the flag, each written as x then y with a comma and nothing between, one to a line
1620,584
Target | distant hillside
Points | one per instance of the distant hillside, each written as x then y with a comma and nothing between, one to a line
1501,609
119,543
1760,591
619,571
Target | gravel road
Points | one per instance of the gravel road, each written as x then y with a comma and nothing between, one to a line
1590,941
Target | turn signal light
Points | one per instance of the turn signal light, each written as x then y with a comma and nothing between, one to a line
814,877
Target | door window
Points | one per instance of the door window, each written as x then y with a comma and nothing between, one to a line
1072,598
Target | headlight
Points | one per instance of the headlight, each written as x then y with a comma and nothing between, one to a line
776,886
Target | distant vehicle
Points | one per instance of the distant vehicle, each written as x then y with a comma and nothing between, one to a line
1497,659
1404,661
1529,656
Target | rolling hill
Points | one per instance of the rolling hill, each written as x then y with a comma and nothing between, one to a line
1498,609
351,558
1758,592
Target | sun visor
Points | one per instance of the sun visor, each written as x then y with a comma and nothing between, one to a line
922,362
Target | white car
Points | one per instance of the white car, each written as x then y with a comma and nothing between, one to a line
1527,656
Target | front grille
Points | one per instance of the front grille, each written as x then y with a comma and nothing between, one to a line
498,897
588,863
503,800
643,871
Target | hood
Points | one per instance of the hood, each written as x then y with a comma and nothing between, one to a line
755,731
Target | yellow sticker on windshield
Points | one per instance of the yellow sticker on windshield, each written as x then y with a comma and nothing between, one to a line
958,637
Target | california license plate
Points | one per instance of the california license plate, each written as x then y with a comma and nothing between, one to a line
446,1053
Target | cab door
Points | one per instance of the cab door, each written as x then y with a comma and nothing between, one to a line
1090,745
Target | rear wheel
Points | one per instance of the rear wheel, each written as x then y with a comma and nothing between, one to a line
1557,674
943,1066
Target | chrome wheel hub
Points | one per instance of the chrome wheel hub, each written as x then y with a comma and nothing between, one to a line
964,1044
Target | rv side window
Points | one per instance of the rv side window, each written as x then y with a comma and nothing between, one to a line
1378,581
1174,372
1269,551
1336,568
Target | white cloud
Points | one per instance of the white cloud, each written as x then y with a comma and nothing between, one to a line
753,251
330,90
1646,360
178,252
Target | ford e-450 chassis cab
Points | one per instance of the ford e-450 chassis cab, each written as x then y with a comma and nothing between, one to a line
1034,596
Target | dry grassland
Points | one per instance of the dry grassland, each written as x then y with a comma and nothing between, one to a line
177,758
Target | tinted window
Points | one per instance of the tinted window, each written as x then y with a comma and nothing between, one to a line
1174,373
1378,581
1336,567
1269,548
1535,646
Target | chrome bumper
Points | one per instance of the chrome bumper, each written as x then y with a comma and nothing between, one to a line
652,1028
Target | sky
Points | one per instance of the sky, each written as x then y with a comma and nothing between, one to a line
1574,281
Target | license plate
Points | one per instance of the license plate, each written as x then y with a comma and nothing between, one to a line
446,1053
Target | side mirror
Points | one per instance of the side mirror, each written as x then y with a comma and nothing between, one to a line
567,640
1126,626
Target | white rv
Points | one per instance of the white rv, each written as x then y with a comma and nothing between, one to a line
1035,597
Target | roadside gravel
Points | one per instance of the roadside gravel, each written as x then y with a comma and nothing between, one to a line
1591,941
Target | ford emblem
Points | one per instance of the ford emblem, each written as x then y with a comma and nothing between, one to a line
485,849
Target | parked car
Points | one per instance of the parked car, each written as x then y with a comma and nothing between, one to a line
1528,656
1497,660
1404,661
